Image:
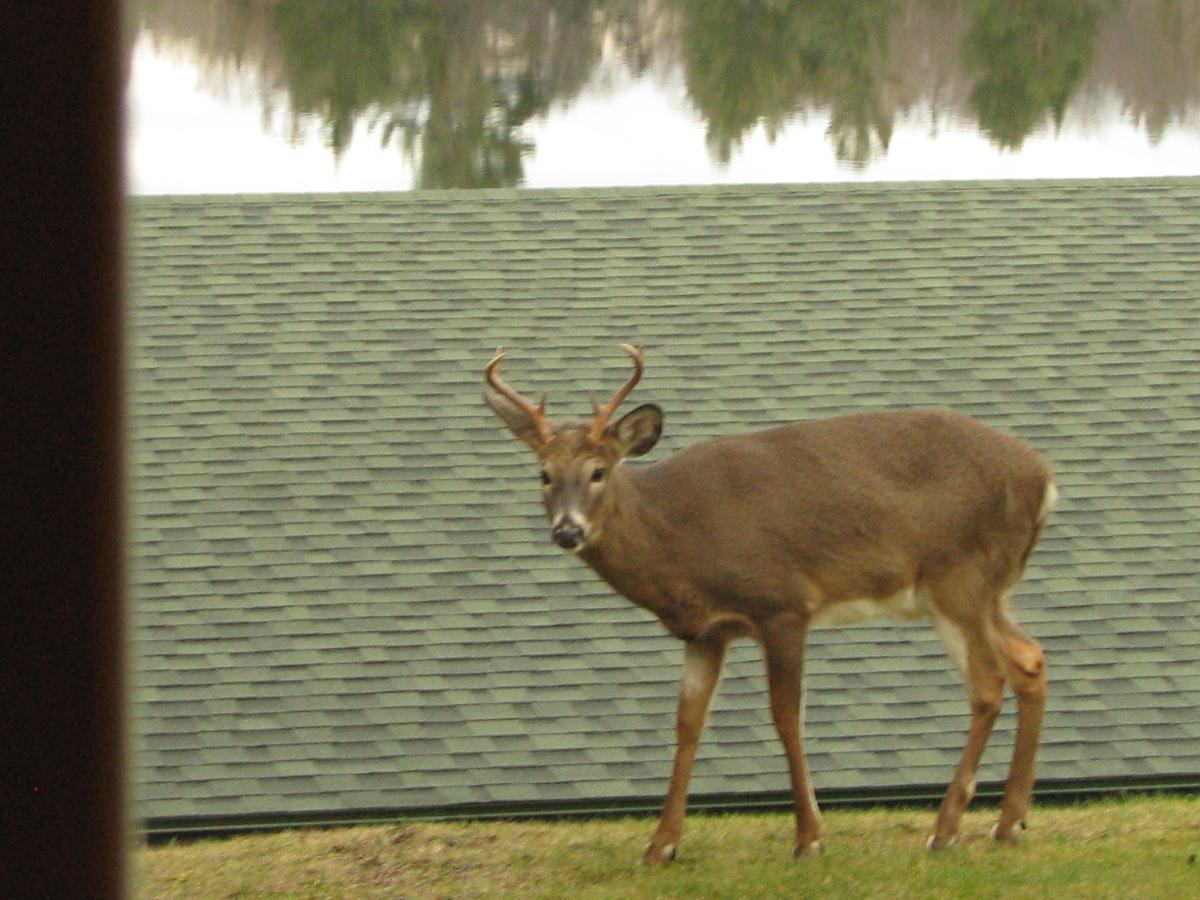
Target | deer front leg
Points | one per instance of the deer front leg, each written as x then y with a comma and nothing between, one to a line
783,646
701,670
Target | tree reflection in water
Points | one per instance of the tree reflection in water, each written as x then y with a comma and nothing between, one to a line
453,83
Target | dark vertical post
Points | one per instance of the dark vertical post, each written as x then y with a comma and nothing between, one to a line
63,830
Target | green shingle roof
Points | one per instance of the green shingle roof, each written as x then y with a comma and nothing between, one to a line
346,598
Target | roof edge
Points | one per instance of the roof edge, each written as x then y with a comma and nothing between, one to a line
513,193
1051,791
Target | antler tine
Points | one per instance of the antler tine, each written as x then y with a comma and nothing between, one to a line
537,414
604,413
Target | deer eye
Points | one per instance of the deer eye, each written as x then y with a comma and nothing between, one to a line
545,476
597,475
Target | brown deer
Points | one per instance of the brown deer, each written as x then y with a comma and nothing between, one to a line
915,513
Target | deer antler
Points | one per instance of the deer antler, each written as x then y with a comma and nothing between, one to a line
537,414
604,413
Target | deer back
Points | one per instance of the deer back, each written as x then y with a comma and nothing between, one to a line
855,507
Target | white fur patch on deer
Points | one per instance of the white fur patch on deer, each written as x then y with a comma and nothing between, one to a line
908,605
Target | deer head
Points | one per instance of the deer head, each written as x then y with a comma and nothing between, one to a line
577,460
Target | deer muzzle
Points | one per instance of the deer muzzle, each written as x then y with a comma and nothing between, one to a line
568,533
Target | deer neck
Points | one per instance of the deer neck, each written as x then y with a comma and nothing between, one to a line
633,542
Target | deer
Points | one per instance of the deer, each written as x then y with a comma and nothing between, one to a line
913,513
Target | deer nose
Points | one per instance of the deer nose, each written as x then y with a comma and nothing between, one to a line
568,534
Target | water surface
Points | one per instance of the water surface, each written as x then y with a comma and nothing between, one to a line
236,95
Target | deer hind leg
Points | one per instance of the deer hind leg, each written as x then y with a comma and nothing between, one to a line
984,675
701,671
1025,669
783,646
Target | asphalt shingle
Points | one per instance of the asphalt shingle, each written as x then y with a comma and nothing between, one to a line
344,595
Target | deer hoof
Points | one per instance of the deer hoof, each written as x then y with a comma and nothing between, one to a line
936,843
1010,835
806,851
657,856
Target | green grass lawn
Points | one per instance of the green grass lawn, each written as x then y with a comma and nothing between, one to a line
1140,847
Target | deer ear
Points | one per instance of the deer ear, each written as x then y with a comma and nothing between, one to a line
517,420
637,432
